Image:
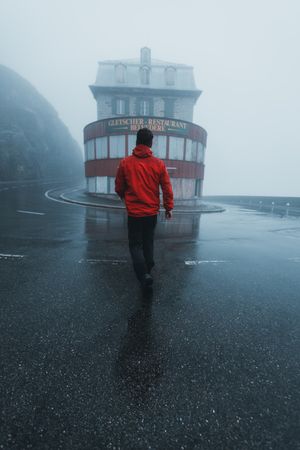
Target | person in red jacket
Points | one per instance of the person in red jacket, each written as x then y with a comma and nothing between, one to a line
138,179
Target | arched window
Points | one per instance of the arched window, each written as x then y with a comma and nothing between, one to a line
145,75
170,73
120,72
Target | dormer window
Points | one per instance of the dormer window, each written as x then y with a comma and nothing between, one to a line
145,75
170,73
120,72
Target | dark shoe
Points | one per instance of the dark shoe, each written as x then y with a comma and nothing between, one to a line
147,280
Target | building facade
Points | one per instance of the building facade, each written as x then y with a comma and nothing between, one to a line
132,94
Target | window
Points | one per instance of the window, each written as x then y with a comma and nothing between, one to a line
169,107
198,188
145,75
120,106
176,148
101,148
89,150
120,73
131,143
183,187
170,76
191,150
144,108
200,155
111,185
117,146
159,146
101,185
91,184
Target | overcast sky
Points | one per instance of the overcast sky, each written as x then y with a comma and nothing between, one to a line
245,55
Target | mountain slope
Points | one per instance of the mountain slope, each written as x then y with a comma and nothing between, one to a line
34,143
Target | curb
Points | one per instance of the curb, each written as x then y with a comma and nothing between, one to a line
95,205
101,205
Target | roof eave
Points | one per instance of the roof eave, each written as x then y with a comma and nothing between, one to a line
144,91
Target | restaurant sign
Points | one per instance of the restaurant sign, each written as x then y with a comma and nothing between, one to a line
133,124
130,125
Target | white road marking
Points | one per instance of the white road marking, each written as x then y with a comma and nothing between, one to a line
211,261
47,195
6,256
81,204
296,259
30,212
110,261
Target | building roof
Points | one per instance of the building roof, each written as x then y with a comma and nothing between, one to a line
160,74
137,61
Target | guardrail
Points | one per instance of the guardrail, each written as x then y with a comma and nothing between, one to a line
279,207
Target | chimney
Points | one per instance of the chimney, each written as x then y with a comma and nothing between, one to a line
145,56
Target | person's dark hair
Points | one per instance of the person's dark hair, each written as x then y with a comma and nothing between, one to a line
144,136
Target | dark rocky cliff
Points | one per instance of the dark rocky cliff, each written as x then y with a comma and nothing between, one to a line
34,143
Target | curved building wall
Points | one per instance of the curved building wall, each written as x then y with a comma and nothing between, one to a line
180,144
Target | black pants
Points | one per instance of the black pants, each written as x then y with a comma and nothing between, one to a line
140,236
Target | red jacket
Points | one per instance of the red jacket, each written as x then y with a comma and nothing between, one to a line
138,179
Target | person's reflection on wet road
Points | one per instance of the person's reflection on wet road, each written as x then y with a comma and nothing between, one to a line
139,364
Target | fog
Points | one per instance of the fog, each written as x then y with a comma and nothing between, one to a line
246,61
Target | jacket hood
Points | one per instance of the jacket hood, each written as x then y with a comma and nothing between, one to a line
142,151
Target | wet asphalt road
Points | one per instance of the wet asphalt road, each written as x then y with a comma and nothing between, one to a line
88,362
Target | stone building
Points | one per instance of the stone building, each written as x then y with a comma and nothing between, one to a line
134,93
